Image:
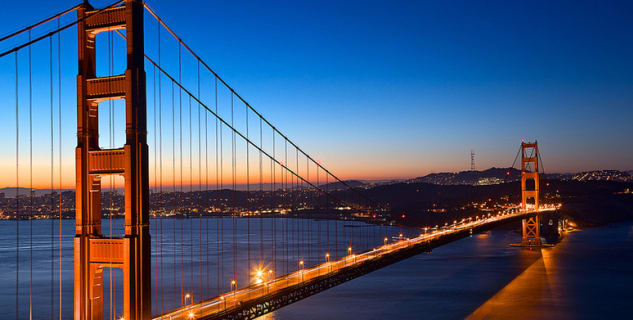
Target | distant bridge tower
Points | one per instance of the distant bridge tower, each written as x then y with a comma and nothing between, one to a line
93,251
529,172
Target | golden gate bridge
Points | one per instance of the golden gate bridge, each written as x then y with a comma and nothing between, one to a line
207,155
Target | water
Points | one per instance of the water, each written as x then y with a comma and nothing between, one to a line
588,275
201,248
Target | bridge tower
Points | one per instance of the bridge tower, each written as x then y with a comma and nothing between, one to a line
93,251
529,171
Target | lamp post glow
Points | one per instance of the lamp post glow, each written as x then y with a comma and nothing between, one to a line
188,296
349,250
259,276
386,239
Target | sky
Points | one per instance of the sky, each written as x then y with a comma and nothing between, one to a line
379,89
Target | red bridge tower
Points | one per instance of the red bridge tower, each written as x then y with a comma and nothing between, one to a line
529,173
93,251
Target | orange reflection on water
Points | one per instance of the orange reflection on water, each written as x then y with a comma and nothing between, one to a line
532,294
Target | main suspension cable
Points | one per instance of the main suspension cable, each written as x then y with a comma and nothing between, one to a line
181,42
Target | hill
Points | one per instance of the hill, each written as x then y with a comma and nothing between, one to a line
486,177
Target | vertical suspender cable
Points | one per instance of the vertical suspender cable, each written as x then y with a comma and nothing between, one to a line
190,203
173,177
217,195
248,197
200,206
296,205
182,288
155,133
206,198
286,232
308,200
327,221
30,185
272,208
222,202
160,143
319,221
233,204
59,108
50,64
261,197
17,193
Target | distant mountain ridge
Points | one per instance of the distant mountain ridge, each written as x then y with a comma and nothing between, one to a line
10,192
489,176
501,175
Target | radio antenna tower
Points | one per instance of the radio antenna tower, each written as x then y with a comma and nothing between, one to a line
472,160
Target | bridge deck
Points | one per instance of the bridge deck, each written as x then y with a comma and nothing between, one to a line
259,299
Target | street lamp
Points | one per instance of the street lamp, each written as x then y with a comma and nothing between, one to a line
301,265
187,296
327,259
386,239
270,278
233,288
191,315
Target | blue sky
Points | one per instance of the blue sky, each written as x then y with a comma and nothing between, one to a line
394,89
